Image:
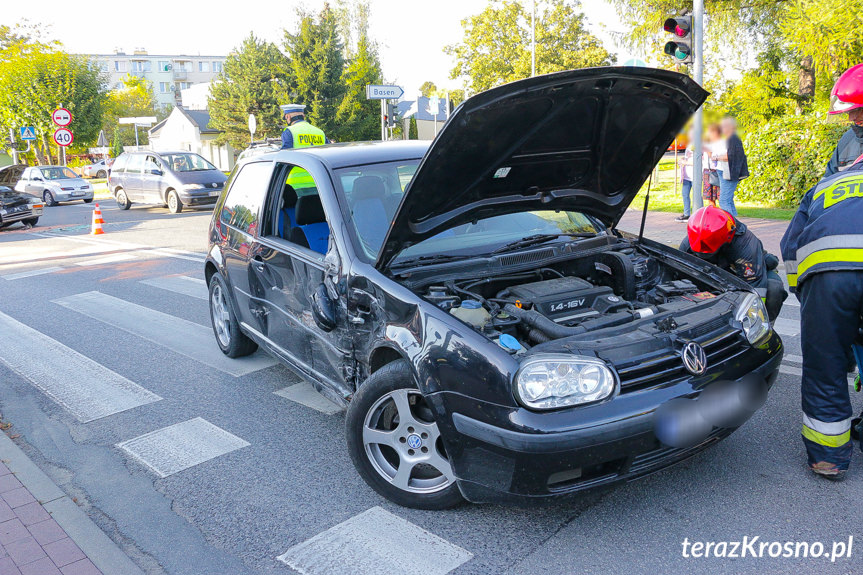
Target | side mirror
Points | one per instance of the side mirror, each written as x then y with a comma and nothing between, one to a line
38,179
323,309
156,172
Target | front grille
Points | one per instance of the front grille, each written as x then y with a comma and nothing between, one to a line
720,345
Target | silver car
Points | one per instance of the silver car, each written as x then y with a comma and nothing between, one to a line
54,184
173,179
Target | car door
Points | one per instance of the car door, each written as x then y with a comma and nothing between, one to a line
151,180
33,182
133,178
288,271
238,228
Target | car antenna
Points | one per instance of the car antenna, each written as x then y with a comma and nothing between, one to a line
644,213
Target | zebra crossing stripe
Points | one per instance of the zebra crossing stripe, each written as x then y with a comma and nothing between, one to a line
187,338
193,287
31,273
85,388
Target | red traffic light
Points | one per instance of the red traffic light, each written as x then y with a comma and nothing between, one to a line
678,26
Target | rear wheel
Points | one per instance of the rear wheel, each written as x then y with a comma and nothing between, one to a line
122,199
175,206
101,174
232,341
395,443
48,198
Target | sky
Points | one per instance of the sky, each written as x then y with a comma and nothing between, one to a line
411,33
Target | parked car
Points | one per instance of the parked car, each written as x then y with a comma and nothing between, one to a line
54,184
261,147
18,207
173,179
9,175
97,169
473,305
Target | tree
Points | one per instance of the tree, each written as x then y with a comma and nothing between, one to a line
38,79
252,80
357,117
428,89
135,99
316,64
496,45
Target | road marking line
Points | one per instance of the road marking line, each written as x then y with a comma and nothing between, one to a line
787,327
31,273
305,394
144,249
179,335
372,542
184,285
87,389
798,372
107,260
180,446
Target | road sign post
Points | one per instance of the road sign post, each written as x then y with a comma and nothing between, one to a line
698,123
143,121
63,137
383,93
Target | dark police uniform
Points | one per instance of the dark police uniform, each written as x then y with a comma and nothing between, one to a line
850,148
823,253
744,256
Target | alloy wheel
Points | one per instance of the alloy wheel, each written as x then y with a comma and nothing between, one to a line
221,316
403,444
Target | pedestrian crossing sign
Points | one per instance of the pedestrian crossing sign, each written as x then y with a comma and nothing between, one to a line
28,133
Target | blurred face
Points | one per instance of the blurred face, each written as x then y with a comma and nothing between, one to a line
728,128
713,134
856,116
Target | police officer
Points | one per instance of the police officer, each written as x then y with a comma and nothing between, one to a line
847,98
716,236
299,133
823,253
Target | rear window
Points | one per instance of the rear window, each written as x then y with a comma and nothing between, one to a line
120,163
246,195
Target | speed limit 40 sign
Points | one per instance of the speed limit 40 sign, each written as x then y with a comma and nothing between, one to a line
63,137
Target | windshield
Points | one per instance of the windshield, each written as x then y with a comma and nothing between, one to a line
187,162
374,192
57,173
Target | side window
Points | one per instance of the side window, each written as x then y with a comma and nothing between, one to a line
246,195
135,164
151,165
120,163
28,173
295,212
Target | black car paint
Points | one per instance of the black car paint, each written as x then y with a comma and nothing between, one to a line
498,448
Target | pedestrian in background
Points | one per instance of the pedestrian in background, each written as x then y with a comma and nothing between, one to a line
686,167
710,175
732,164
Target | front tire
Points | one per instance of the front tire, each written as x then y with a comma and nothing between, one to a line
395,444
175,206
122,199
101,174
48,198
30,222
232,341
88,200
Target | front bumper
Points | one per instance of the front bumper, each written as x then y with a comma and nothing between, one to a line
200,197
9,215
501,453
72,196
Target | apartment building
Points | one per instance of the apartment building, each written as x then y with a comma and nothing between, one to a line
168,74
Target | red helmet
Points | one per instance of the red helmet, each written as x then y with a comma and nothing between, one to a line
709,229
847,93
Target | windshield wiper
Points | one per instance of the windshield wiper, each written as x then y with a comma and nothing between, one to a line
434,259
539,239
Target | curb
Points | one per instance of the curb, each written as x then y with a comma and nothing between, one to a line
99,548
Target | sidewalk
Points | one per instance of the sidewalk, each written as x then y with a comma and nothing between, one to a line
44,532
662,227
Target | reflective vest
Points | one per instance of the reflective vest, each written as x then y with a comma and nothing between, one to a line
826,233
306,135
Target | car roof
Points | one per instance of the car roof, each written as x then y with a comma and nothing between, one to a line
358,153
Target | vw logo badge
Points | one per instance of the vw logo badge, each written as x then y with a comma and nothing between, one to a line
414,441
215,185
694,358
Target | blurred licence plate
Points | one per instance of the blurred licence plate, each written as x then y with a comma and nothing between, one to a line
77,193
215,193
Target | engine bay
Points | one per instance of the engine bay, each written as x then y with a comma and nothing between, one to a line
578,296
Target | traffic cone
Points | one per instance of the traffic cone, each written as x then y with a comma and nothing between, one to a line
97,221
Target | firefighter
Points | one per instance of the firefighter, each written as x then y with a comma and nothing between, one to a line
716,236
847,98
823,253
299,133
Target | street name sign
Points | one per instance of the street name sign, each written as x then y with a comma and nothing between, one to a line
27,133
62,117
63,137
374,92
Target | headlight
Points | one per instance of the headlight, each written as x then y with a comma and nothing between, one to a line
193,187
551,381
753,318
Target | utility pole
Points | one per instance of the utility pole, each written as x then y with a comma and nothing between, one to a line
533,40
13,147
698,124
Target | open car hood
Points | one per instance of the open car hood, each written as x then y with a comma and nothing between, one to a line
581,140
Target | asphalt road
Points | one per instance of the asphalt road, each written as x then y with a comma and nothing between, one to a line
237,475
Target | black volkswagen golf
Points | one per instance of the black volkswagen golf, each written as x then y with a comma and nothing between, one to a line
473,305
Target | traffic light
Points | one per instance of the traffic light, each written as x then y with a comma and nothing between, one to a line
391,115
681,47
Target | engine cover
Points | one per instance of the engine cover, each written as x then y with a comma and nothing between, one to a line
566,299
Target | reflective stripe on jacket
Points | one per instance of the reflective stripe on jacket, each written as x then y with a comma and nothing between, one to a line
826,233
306,135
